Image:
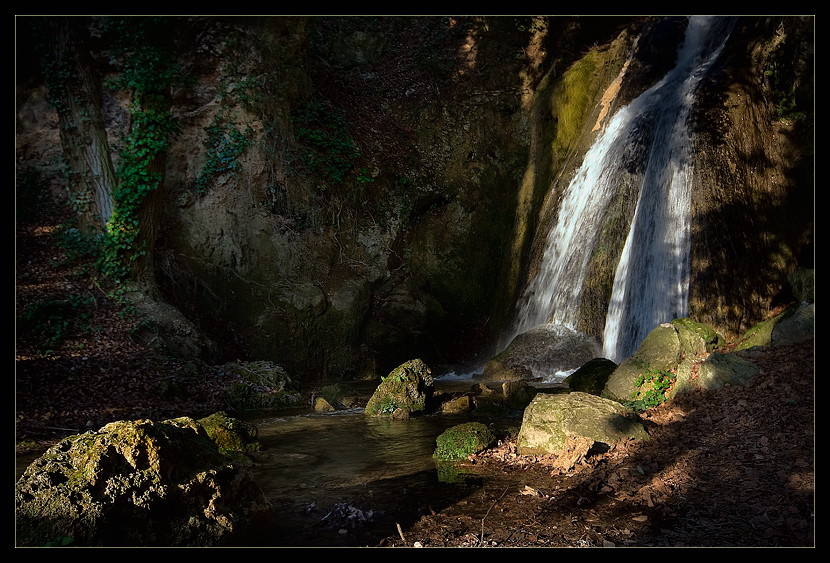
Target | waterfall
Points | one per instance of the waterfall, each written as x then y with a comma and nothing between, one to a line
649,137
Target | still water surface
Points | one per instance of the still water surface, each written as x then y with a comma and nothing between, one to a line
344,478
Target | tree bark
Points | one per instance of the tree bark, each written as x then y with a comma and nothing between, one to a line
75,89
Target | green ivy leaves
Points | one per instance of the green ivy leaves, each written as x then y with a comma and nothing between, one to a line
148,68
659,381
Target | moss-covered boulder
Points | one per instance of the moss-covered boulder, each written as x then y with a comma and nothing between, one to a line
408,389
659,352
137,483
795,324
720,369
231,434
541,352
670,348
260,385
591,377
550,419
458,442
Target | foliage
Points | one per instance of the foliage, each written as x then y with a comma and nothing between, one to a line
77,244
224,144
60,541
331,149
780,74
660,381
55,319
148,69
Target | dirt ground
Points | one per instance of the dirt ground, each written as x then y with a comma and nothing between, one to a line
728,468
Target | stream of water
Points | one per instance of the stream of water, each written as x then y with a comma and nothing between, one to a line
347,479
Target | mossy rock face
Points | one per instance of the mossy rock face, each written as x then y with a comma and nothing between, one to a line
408,388
137,483
458,442
230,434
550,419
591,377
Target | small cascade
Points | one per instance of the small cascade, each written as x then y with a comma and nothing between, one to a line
647,141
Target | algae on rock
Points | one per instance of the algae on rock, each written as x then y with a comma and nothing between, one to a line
458,442
408,389
137,483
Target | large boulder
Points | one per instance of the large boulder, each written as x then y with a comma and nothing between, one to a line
670,348
137,483
659,352
407,390
549,420
721,369
541,352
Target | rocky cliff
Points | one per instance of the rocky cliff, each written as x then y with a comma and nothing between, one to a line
347,193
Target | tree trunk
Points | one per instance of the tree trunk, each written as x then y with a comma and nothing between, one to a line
75,90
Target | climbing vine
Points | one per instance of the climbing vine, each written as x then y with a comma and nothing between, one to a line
148,69
225,144
332,151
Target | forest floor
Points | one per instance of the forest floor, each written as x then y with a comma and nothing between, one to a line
729,468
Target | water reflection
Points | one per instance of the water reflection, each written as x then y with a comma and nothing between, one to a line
345,478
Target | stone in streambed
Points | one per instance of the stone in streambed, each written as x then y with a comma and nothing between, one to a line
407,390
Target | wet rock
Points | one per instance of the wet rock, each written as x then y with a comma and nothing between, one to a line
458,405
322,405
339,396
408,388
231,434
591,377
260,385
541,352
481,388
137,483
517,394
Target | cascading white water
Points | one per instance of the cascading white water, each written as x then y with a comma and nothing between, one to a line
652,278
